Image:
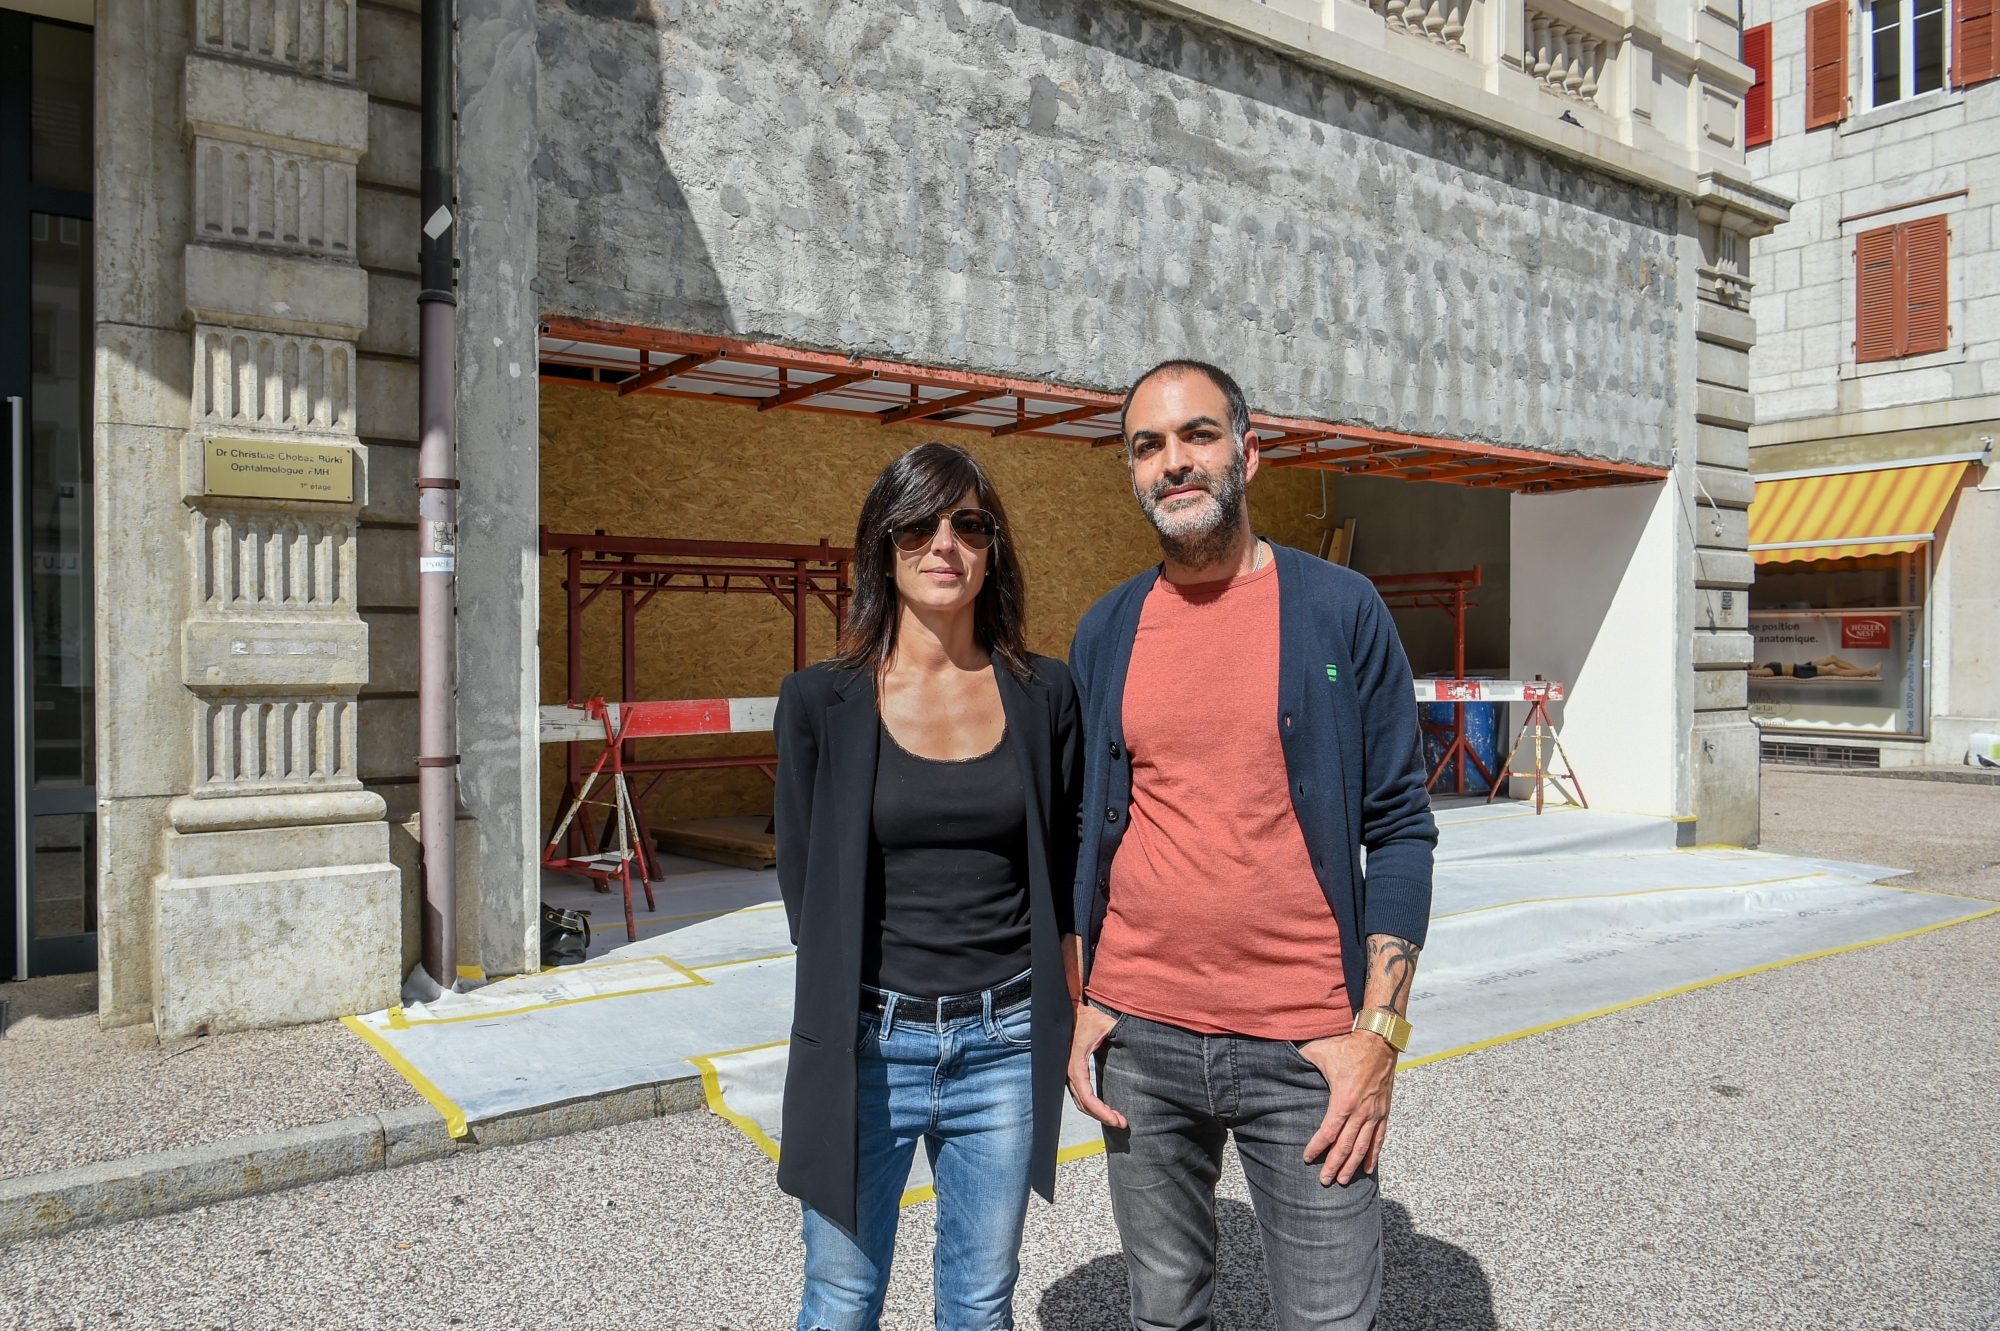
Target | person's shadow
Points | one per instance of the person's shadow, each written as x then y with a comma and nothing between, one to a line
1426,1283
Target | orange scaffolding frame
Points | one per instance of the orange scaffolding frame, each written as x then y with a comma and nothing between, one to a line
635,570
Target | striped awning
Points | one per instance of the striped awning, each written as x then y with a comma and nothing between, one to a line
1850,514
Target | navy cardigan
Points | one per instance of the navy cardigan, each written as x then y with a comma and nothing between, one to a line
1347,718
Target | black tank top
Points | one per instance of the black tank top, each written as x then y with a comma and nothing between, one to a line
948,873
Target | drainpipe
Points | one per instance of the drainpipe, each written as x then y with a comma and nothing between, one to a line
437,507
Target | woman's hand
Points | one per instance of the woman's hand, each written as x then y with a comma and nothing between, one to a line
1091,1030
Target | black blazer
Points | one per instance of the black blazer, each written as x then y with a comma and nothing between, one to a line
826,730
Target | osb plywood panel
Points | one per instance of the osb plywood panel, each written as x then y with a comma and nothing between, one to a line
654,466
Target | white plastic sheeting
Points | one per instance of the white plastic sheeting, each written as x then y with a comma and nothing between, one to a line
1537,921
747,1087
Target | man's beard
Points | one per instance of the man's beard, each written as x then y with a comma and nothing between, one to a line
1199,537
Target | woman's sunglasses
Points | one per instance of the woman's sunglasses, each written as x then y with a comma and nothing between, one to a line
972,528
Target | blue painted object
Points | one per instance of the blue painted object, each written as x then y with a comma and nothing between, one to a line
1484,722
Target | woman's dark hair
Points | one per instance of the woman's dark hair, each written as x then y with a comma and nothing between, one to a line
926,480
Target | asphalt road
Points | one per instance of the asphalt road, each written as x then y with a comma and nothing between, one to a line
1814,1146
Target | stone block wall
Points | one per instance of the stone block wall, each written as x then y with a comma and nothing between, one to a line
248,878
1922,156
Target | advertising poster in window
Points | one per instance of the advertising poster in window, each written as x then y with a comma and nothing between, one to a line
1847,670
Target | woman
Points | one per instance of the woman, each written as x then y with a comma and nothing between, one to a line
928,782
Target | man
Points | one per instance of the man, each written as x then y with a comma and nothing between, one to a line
1250,725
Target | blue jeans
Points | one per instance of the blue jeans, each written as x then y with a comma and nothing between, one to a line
963,1089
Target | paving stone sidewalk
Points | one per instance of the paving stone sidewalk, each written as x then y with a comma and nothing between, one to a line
74,1094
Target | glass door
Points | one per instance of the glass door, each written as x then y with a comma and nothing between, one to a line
47,322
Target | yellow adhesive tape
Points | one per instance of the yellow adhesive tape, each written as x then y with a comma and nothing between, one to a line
1443,1054
454,1117
711,1090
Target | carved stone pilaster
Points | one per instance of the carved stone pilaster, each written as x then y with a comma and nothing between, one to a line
275,832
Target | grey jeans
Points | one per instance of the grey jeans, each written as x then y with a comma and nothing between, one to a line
1183,1093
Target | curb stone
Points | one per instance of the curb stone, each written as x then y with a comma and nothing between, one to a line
43,1205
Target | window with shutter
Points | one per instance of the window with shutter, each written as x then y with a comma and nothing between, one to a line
1902,295
1826,63
1975,42
1757,102
1925,326
1877,335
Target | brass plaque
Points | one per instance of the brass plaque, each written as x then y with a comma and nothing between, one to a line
257,469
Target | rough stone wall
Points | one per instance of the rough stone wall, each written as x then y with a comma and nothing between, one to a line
1074,191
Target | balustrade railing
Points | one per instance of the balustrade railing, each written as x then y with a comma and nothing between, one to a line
1441,21
1562,57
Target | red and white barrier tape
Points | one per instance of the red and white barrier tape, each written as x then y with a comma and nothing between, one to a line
1488,690
563,724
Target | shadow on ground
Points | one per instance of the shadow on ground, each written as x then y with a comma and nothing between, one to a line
52,997
1426,1282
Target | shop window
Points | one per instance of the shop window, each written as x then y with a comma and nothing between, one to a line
1757,101
1840,647
1904,54
1901,290
1826,64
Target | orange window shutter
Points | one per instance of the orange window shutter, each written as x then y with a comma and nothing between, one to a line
1757,102
1876,304
1926,247
1826,63
1975,42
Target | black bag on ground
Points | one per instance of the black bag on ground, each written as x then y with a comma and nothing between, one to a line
565,936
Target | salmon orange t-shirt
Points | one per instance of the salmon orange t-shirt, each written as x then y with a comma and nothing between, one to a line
1216,921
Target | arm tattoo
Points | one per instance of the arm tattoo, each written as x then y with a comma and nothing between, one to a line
1395,961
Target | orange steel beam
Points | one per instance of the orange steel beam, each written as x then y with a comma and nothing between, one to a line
1358,450
800,392
1037,424
765,353
661,373
919,410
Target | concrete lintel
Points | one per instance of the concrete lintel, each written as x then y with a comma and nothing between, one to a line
1723,650
1721,608
1725,487
1724,406
1724,568
281,293
272,655
253,104
1725,196
1889,435
1718,528
1721,690
44,1205
238,813
1722,446
1719,323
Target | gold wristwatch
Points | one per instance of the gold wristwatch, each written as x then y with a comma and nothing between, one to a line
1386,1024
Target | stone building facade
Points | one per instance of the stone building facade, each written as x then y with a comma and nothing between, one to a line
1521,227
256,257
1897,180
